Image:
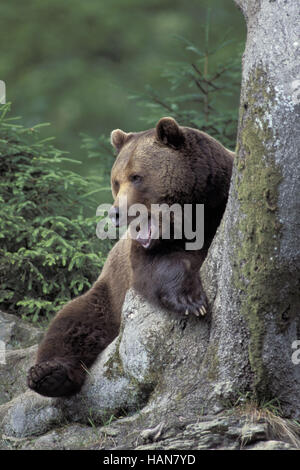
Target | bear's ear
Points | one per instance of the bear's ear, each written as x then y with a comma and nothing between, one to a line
169,132
118,139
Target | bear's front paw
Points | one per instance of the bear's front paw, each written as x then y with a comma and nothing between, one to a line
195,305
186,304
53,378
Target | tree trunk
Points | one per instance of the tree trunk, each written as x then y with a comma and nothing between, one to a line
252,272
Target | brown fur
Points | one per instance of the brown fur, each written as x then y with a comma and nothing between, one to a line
176,165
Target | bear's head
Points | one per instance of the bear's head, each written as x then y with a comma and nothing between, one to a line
169,164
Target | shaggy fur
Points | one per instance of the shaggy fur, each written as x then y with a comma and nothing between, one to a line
169,164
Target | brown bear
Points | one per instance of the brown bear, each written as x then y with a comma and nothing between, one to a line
169,164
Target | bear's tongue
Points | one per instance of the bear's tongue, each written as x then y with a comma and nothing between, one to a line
144,238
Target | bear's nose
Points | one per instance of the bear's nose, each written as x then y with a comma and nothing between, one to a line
113,214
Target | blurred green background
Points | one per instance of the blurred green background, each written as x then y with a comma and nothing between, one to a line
75,63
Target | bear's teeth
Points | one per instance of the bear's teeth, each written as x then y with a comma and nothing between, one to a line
145,242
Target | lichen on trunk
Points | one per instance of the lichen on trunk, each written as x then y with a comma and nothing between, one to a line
256,272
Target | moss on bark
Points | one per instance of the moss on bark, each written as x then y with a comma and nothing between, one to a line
257,272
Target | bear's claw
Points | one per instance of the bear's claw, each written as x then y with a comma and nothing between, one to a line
202,311
186,304
197,307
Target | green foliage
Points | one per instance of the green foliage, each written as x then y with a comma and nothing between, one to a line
203,91
101,155
49,251
101,152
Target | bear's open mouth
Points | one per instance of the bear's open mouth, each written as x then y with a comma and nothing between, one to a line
144,236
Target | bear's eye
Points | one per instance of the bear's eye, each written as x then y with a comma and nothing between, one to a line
116,184
135,178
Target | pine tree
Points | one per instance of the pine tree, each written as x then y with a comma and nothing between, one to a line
49,251
203,91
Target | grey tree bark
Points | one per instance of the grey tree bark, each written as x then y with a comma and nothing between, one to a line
170,370
252,271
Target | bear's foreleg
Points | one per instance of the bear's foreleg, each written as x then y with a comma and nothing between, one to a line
180,288
78,333
171,280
